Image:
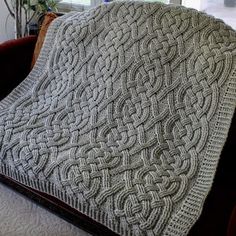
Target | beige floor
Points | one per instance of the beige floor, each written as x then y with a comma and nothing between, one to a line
21,217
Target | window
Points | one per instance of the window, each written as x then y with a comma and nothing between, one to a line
80,5
223,9
81,2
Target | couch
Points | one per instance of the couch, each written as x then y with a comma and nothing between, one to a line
219,214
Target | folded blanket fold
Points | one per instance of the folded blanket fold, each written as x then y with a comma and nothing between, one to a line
125,114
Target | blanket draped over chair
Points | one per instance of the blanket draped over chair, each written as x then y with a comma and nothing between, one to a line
125,114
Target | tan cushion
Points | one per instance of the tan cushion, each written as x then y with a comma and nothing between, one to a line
49,17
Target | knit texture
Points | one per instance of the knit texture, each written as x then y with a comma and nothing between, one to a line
125,115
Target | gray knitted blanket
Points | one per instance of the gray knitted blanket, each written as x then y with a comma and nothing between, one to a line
125,115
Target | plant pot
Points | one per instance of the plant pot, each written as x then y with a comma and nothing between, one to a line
33,28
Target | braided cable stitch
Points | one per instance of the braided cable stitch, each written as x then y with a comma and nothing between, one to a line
125,114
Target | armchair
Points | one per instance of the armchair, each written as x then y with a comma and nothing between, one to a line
219,214
15,61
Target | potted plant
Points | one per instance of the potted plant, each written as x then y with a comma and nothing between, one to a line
25,12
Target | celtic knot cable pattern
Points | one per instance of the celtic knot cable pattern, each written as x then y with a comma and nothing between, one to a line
124,108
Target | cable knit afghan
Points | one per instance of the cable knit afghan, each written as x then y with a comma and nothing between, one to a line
125,115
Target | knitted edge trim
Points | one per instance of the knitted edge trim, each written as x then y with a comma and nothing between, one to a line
191,207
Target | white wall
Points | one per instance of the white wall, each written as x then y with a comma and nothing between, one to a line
6,23
199,5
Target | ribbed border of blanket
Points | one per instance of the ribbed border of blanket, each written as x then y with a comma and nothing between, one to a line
190,209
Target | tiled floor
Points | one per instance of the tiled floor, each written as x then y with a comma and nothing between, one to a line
20,216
